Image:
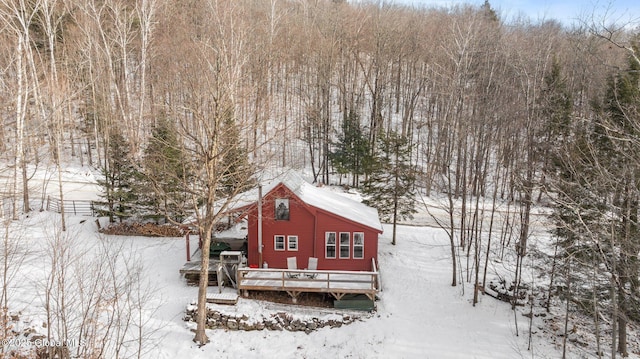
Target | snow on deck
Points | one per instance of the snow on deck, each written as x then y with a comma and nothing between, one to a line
307,280
226,297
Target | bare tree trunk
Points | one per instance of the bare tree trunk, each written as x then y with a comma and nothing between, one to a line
491,223
596,311
25,183
566,311
552,275
51,29
12,256
452,243
622,324
201,319
614,318
21,108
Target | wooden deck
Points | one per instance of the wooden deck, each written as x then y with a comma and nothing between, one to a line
191,270
194,267
294,282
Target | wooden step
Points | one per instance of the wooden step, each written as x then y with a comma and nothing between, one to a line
222,298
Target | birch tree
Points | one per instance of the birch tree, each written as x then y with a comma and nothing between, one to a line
19,18
95,295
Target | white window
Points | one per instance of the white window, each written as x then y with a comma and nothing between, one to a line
345,244
358,245
330,245
278,243
292,243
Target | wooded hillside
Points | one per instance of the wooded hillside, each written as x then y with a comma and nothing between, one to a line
180,103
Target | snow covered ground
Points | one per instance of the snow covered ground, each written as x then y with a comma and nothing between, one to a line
419,313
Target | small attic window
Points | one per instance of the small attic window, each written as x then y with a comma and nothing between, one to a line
282,209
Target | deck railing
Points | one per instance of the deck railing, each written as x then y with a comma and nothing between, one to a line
292,280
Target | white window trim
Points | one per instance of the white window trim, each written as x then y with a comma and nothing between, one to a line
289,242
348,245
326,244
275,242
358,245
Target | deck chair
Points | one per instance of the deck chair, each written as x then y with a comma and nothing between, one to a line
292,263
313,265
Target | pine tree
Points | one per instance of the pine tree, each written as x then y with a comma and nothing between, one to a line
390,187
120,179
165,172
352,152
556,104
489,12
619,136
236,160
556,107
580,217
598,198
565,157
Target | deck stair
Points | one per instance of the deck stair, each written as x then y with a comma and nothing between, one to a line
226,297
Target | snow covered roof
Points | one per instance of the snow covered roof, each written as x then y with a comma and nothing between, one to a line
317,197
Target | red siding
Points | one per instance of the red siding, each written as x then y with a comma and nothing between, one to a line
300,223
328,222
310,225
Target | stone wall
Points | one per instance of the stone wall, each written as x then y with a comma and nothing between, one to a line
277,321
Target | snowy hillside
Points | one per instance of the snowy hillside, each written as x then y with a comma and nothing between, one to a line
514,139
418,313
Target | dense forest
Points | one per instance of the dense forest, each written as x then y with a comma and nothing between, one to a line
180,104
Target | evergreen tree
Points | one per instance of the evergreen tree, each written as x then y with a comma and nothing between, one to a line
598,198
619,137
564,163
390,187
556,105
580,218
489,12
120,179
165,172
352,152
237,167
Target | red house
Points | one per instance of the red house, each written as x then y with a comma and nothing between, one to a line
303,221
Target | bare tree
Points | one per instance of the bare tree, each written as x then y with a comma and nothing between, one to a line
96,297
204,109
13,254
19,19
